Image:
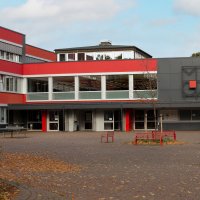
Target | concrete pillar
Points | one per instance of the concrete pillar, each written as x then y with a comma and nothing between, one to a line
50,86
76,87
103,87
24,86
131,86
145,120
58,57
71,120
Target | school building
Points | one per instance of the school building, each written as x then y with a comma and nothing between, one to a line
95,88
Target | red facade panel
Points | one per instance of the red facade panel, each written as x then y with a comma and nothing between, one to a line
11,98
193,84
40,53
11,67
11,36
44,121
113,66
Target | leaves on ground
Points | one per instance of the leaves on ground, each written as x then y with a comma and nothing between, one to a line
35,170
7,192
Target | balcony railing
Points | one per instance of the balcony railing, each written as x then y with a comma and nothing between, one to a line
117,94
37,96
145,94
93,95
90,95
63,95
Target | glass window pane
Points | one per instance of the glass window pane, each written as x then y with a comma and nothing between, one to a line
117,82
185,115
108,116
90,83
62,57
71,57
145,82
195,114
81,56
38,85
63,84
108,126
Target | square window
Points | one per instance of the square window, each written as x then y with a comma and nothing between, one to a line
192,84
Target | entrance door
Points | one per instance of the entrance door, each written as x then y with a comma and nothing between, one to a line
53,121
109,120
88,120
139,119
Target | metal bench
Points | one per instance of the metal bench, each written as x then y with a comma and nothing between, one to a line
165,134
107,135
12,129
155,136
145,136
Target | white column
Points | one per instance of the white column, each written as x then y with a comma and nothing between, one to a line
103,87
66,57
50,86
58,57
131,87
145,120
76,87
76,56
24,86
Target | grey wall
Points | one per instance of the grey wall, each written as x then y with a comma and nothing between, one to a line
33,60
170,80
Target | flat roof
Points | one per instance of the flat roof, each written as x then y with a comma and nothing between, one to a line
103,48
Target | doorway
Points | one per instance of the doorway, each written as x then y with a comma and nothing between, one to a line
53,121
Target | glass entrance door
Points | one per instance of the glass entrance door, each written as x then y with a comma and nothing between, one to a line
53,121
139,119
88,120
108,120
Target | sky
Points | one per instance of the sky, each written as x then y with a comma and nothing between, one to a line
168,28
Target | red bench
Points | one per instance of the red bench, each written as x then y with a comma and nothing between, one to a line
165,134
107,135
145,136
154,135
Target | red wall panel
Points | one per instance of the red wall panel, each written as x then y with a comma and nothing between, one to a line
129,120
11,67
11,36
11,98
41,53
44,121
91,67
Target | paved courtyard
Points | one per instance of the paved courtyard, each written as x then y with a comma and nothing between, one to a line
116,170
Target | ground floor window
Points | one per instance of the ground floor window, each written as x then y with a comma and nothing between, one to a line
144,119
34,120
2,115
112,120
189,115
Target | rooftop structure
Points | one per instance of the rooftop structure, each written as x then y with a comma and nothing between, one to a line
104,51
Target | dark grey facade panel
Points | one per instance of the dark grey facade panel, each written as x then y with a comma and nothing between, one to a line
173,82
33,60
72,106
183,126
10,48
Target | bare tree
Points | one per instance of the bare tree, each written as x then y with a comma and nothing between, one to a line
145,88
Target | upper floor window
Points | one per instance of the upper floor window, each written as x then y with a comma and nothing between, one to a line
145,82
62,57
37,85
71,57
9,83
117,82
10,56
